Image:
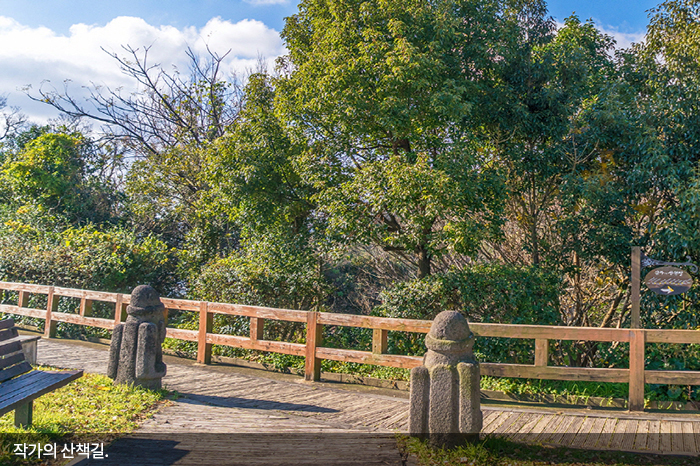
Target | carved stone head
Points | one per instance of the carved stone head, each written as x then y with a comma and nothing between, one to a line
146,307
449,341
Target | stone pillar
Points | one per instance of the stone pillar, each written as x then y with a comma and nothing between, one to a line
445,394
136,354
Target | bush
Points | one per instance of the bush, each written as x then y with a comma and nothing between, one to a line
483,293
264,272
40,250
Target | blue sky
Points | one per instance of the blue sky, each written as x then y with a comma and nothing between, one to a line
46,42
626,15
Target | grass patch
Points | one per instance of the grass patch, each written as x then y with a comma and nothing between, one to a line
90,408
534,388
555,387
500,452
366,370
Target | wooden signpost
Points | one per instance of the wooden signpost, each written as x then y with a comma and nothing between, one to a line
636,292
665,280
668,281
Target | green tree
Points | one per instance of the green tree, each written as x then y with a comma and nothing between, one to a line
662,162
59,171
167,127
253,169
544,85
386,93
256,185
540,126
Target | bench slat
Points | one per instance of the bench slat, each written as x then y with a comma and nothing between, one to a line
9,347
31,386
11,387
8,333
7,323
11,360
14,371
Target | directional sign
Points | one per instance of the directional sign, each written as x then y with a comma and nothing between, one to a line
668,281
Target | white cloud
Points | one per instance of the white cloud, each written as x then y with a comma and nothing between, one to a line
30,56
624,39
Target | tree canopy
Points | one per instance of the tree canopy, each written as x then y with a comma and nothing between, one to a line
404,157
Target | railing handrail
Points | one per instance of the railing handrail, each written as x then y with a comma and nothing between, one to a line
313,351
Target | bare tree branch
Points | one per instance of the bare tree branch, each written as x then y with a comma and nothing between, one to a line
167,110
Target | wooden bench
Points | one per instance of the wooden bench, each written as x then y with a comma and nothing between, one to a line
19,384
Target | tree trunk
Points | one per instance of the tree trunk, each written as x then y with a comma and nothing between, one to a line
424,260
535,242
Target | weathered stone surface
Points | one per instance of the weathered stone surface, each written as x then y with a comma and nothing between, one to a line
420,401
470,418
136,353
443,417
445,393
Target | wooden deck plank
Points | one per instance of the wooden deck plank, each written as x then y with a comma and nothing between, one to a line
618,434
549,429
488,416
540,426
606,433
665,442
399,421
496,422
696,431
526,429
630,435
380,415
582,433
517,427
654,436
689,440
640,441
676,436
507,422
566,434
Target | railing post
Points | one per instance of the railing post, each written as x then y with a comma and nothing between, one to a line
314,336
23,299
541,351
257,325
85,307
636,395
51,305
206,322
379,341
119,310
635,319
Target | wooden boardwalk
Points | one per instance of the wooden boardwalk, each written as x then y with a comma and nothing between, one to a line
275,412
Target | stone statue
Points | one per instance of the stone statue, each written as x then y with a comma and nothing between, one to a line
445,393
136,354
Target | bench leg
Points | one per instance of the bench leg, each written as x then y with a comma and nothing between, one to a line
29,348
23,415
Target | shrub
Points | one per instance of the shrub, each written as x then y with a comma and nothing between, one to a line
484,293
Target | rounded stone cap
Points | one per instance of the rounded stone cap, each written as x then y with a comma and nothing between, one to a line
144,300
450,334
450,325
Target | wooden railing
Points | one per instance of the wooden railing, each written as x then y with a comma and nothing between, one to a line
314,352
